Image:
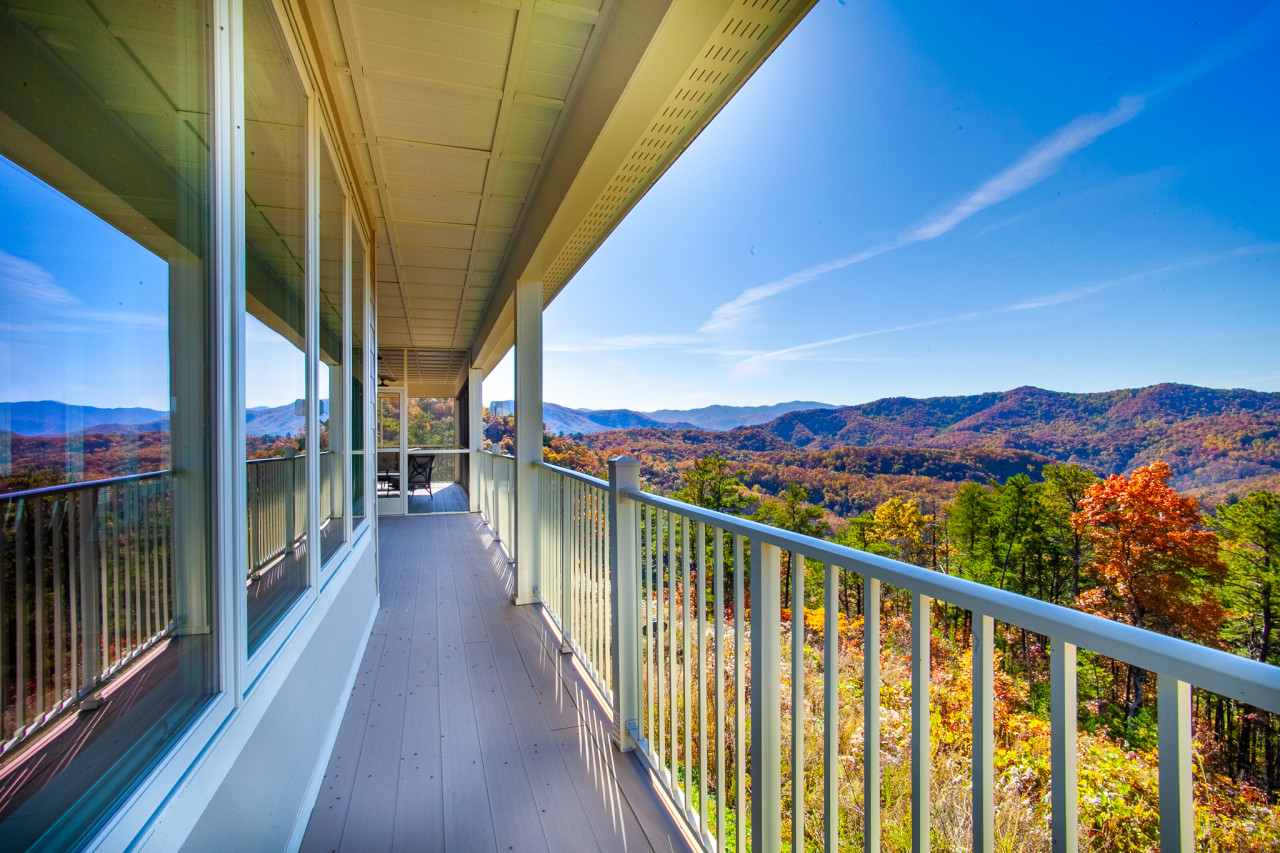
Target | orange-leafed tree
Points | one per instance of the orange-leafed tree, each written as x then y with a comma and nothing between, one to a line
1155,561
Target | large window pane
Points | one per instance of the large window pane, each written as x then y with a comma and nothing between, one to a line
275,324
107,629
357,375
333,406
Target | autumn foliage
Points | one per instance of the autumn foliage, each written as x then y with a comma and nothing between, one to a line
1154,558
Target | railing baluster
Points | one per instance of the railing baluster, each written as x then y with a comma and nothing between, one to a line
59,641
1177,809
740,697
831,708
797,700
717,613
587,566
129,558
20,619
766,697
1063,722
117,514
149,564
593,576
597,576
7,506
920,634
90,624
575,562
104,585
73,612
566,566
605,589
587,612
161,554
702,676
598,528
672,596
984,810
642,531
169,556
254,513
660,749
686,669
38,606
870,714
579,570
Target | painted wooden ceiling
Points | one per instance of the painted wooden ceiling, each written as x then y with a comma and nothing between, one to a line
502,140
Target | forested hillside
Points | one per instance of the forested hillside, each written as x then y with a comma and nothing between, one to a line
1208,437
1216,443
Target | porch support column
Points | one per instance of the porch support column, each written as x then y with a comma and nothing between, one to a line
475,434
528,435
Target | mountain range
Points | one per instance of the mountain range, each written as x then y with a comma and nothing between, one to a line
562,420
52,418
1216,441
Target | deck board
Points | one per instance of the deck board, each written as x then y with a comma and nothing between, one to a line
466,728
445,497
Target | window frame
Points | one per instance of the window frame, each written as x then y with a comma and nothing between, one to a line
238,674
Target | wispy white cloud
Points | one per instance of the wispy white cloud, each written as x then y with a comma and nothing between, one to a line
732,314
625,342
44,307
1041,161
808,351
25,283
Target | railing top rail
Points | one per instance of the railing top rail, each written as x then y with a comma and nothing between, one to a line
422,451
48,491
301,455
575,475
1248,681
499,455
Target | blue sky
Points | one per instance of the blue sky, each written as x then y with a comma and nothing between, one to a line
83,309
914,199
935,199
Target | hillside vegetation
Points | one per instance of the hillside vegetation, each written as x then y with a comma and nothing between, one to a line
1217,443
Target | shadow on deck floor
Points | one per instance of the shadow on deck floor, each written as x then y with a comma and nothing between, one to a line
467,729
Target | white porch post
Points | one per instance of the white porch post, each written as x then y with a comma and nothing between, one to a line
624,582
475,433
528,434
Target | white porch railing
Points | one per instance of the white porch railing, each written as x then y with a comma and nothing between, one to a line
277,503
86,586
665,571
498,496
86,578
573,582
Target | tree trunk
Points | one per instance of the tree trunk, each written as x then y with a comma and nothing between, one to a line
1137,676
1264,647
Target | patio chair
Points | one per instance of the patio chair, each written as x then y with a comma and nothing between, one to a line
420,473
388,479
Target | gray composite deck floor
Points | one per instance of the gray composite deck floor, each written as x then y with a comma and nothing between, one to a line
467,729
444,497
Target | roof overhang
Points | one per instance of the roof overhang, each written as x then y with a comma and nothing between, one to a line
500,142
